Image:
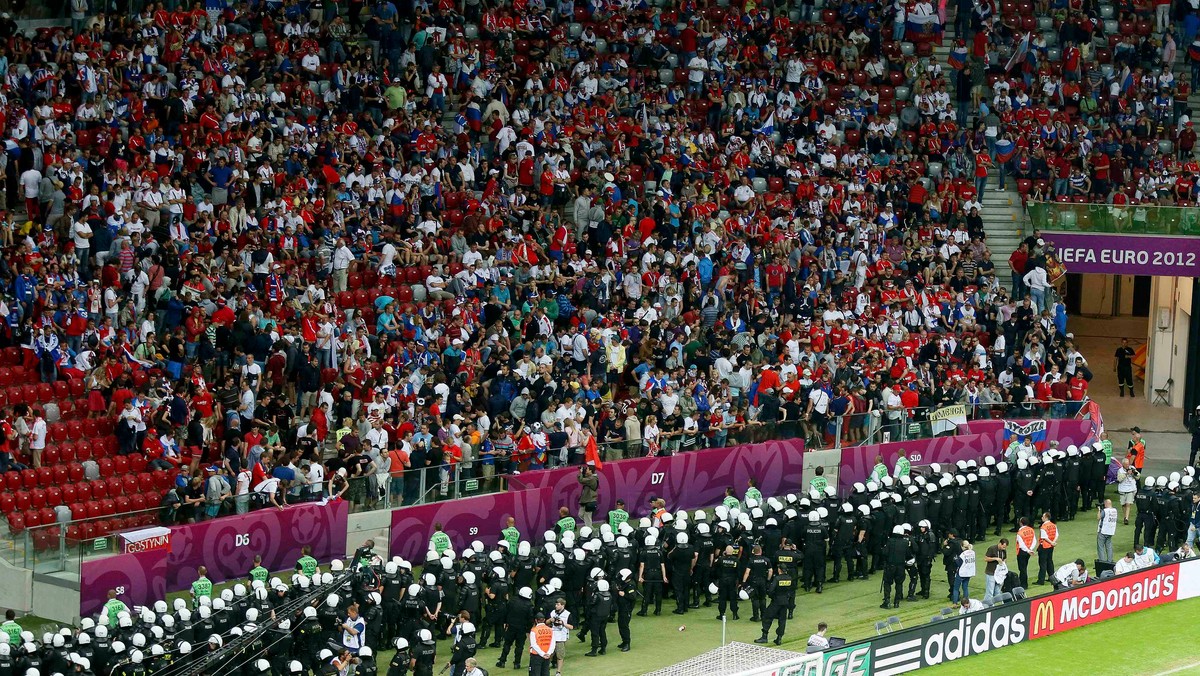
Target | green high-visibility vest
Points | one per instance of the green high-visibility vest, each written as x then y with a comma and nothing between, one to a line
308,566
731,503
567,523
440,542
259,573
513,536
903,467
114,607
1106,446
14,630
818,484
753,493
879,473
202,587
617,517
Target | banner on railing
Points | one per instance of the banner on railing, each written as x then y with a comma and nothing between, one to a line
1034,430
226,547
691,480
975,441
947,419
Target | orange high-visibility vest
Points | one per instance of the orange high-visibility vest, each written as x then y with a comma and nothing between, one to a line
1051,532
543,638
1028,539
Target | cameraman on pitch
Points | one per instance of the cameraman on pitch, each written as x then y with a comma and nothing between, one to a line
560,622
588,482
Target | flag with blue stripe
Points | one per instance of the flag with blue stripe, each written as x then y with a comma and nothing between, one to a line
1005,149
768,126
958,57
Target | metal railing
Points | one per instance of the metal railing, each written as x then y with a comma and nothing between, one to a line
1138,219
56,547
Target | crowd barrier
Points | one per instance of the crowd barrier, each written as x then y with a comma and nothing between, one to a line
975,440
1000,626
686,481
225,547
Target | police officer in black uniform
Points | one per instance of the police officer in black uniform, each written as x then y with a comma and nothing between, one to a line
1004,487
727,569
651,574
1072,468
600,607
987,500
683,562
815,543
843,536
706,555
1024,488
755,578
624,590
788,558
781,590
897,552
925,547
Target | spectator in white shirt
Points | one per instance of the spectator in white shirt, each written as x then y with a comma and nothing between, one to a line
1125,565
967,605
1106,528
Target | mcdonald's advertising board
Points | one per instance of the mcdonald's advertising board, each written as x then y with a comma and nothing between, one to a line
1104,600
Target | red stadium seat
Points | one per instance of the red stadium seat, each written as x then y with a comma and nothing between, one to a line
16,522
120,464
62,390
122,504
106,467
37,498
129,484
62,475
99,489
54,496
8,502
12,481
29,478
45,476
57,432
45,392
70,494
75,472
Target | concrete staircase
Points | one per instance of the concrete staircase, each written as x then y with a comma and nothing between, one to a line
1003,217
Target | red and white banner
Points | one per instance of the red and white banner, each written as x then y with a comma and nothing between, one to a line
1106,599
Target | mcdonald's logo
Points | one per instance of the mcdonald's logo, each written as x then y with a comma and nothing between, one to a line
1043,619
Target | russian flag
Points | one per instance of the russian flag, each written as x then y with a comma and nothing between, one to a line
768,127
1019,53
1034,429
1005,149
958,57
1194,51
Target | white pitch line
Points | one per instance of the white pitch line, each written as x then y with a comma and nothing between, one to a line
1176,670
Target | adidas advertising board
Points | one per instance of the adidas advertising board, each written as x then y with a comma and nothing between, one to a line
951,639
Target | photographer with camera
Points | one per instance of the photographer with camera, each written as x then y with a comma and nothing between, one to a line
1127,485
560,622
588,482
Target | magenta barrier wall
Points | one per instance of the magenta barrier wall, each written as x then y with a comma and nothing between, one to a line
687,481
225,546
975,441
468,519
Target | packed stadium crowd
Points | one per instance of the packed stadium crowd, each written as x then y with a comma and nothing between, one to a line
313,250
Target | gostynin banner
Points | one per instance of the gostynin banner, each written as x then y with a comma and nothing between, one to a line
946,420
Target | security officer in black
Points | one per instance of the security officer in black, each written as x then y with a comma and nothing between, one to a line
727,568
917,505
683,561
858,568
1158,505
1072,468
600,607
624,590
963,521
974,506
788,558
1024,488
1171,519
398,666
1003,496
705,556
1145,519
1093,476
755,578
933,504
815,543
781,590
844,527
897,552
987,501
1049,487
925,547
652,571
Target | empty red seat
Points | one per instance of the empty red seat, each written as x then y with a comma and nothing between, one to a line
70,494
51,455
16,522
45,392
137,502
29,478
122,504
66,453
92,509
83,490
146,482
12,481
57,432
61,389
137,463
37,498
62,475
106,466
116,486
120,464
81,429
75,472
99,489
75,386
8,502
129,484
54,496
87,531
33,518
45,476
46,515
